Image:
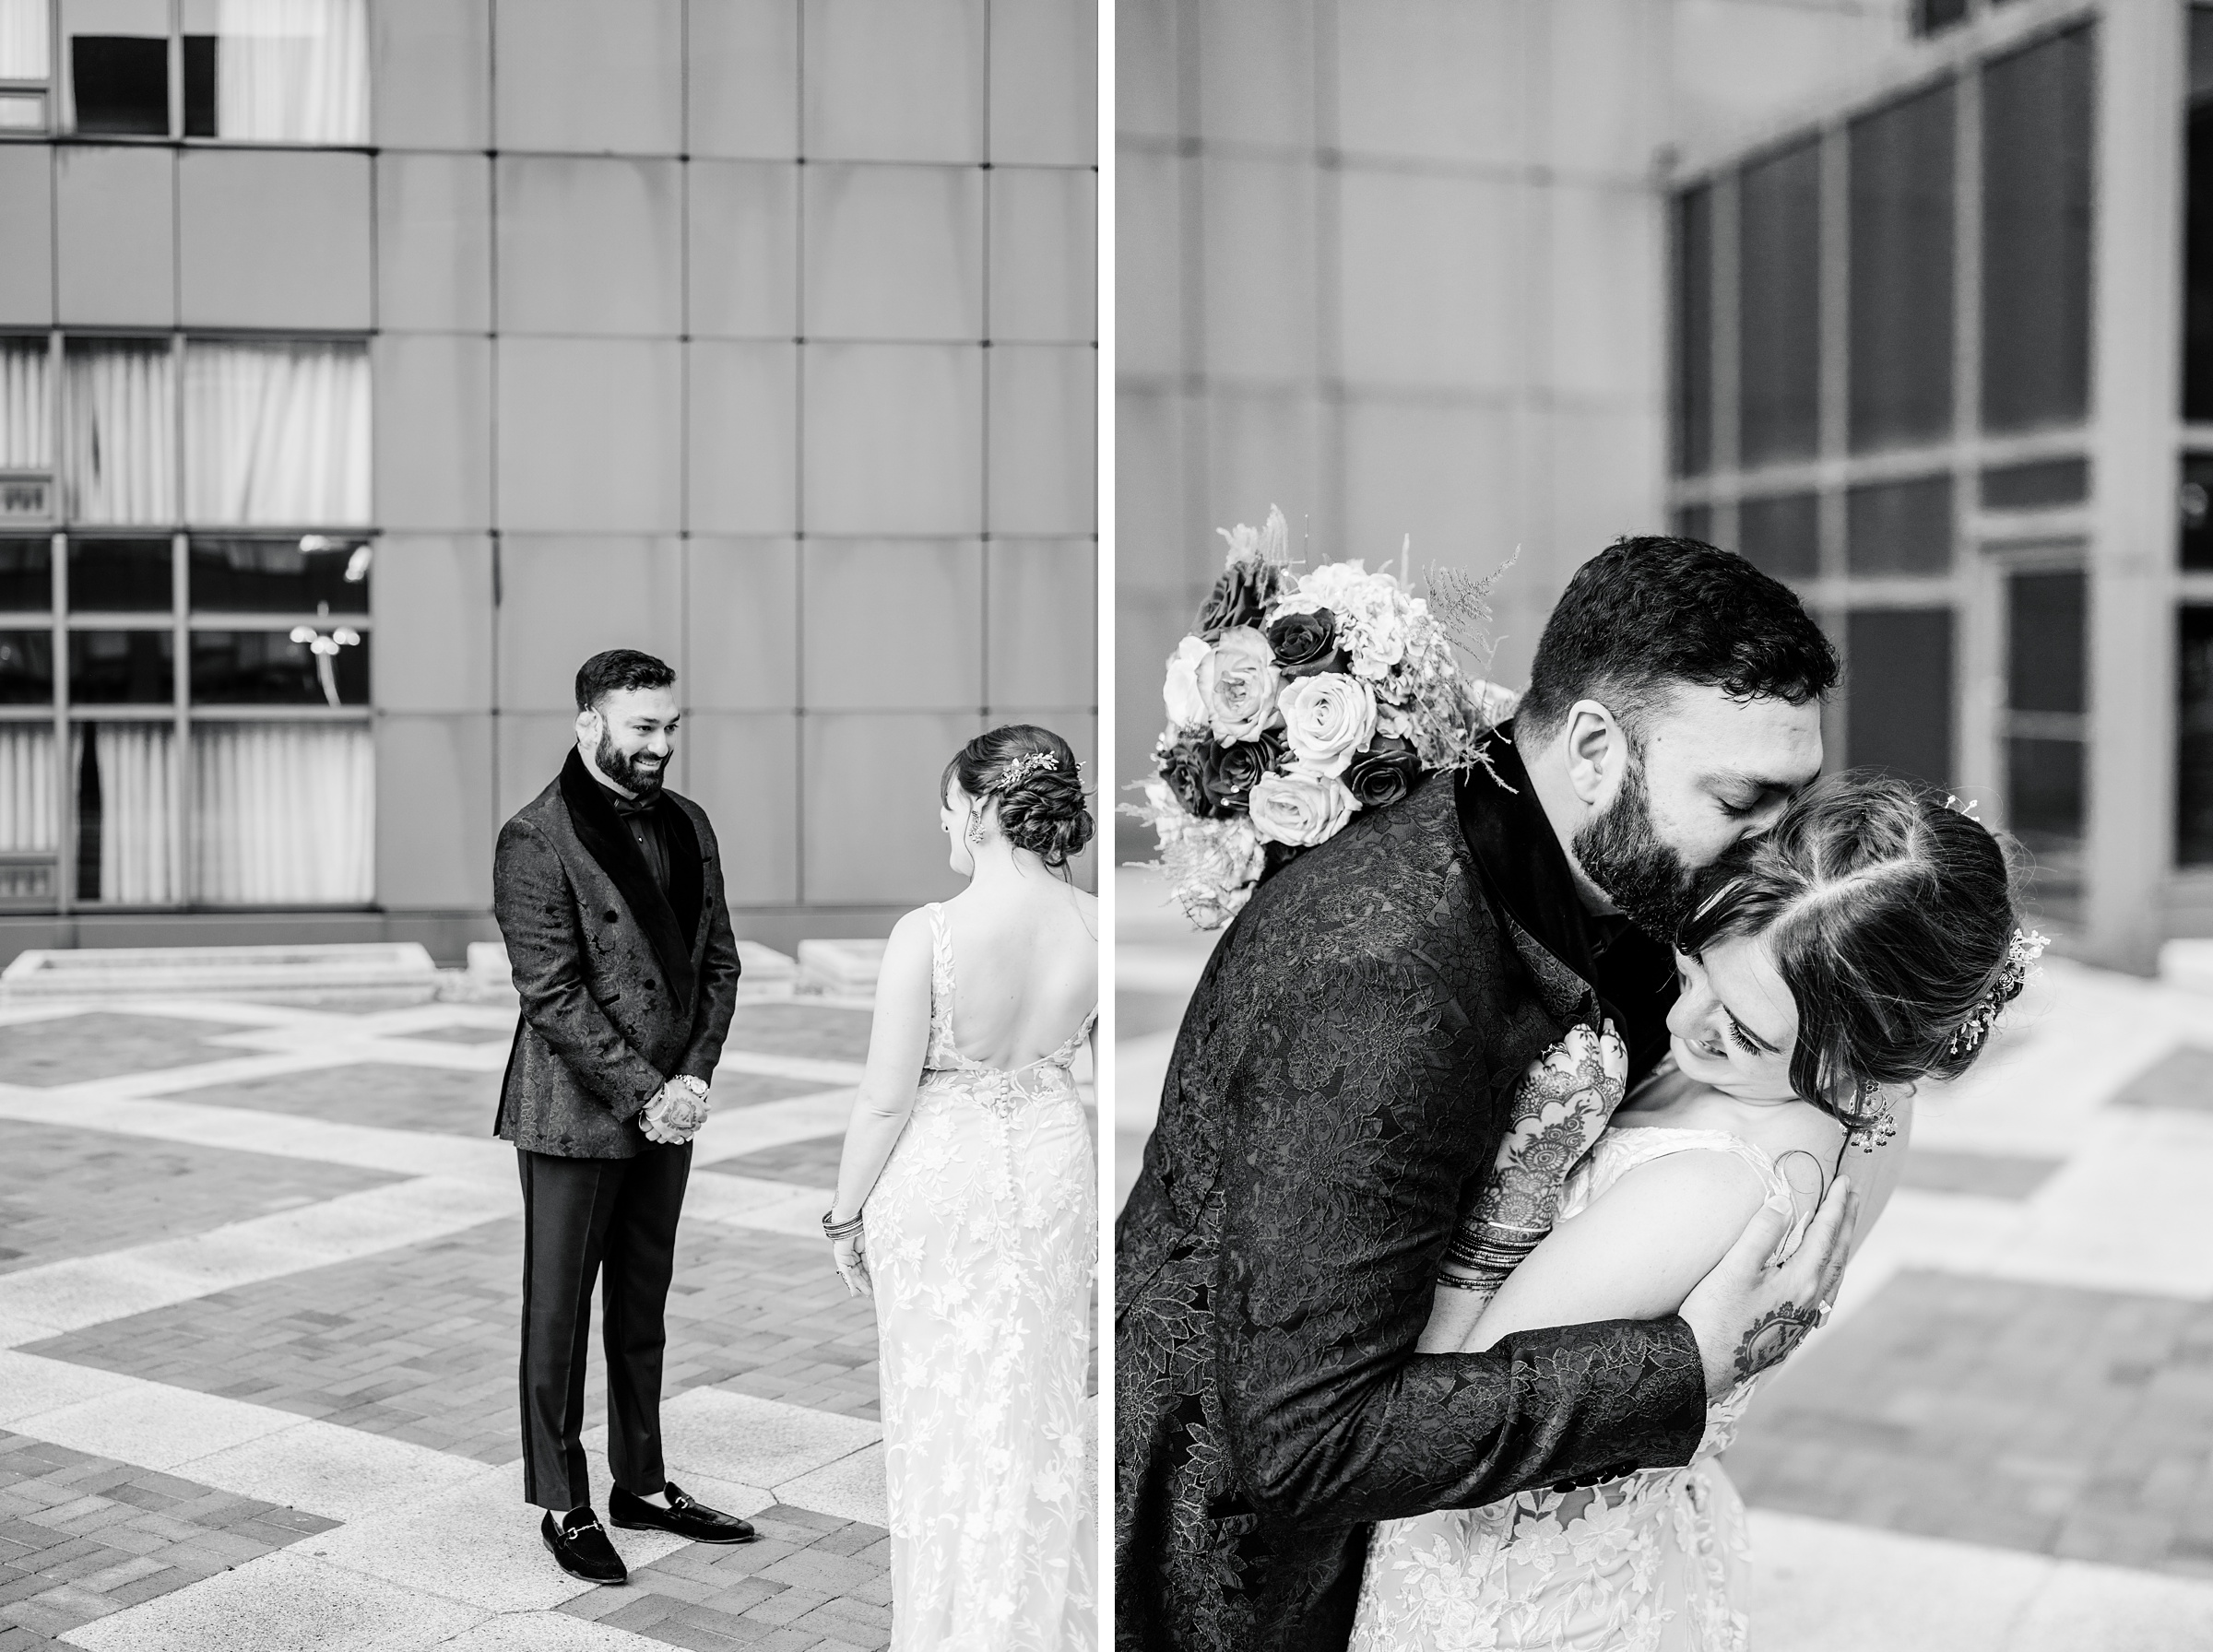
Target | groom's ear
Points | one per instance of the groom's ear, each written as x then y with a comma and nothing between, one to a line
1597,751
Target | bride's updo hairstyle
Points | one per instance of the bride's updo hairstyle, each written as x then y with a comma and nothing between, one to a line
1889,914
1031,775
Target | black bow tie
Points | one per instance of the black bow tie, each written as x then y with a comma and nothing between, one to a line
629,807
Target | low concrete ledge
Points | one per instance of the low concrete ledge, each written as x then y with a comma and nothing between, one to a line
764,972
402,969
840,968
2187,964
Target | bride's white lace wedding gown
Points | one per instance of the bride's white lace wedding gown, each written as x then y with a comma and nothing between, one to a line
1643,1564
982,1242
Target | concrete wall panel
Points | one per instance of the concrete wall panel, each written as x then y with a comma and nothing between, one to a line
274,238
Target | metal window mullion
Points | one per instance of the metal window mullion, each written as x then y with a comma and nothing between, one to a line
1981,689
179,782
64,794
1725,250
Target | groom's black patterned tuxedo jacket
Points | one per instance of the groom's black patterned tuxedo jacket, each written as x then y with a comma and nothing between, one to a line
1337,1094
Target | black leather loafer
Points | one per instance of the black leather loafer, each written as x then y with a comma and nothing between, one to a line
578,1543
683,1517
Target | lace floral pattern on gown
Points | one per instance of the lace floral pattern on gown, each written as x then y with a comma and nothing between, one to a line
1643,1564
982,1243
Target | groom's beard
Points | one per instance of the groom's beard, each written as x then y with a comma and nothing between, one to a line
642,782
1622,854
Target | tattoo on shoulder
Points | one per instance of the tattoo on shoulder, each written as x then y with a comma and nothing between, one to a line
1772,1337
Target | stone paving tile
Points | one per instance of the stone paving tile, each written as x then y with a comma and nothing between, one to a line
2180,1081
102,1044
811,1164
73,1193
1987,1175
82,1536
2066,1422
389,1096
812,1584
419,1343
788,1029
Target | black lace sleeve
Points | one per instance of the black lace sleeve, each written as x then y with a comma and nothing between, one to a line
1349,1143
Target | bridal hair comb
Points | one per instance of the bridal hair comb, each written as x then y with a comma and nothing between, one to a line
1022,768
2026,948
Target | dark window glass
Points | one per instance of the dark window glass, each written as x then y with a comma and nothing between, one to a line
2193,767
2195,510
1694,331
2043,784
267,668
26,667
1780,536
26,576
120,576
281,576
1898,688
1930,16
2197,232
2031,487
121,667
1900,527
2047,628
122,84
1779,351
1695,522
199,85
1902,272
2036,234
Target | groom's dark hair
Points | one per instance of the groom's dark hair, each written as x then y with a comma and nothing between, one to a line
1648,612
618,668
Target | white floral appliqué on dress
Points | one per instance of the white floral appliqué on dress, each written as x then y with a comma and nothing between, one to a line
982,1242
1644,1564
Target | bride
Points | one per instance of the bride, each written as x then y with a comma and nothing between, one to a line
967,1205
1867,942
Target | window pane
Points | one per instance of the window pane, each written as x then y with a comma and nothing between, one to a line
1694,331
282,71
2031,486
2036,234
26,576
2197,232
1780,345
30,823
2045,794
1902,272
269,667
199,85
1930,16
283,812
1695,522
2047,634
121,430
1780,536
23,111
1898,688
2195,510
277,433
26,410
307,575
121,84
121,576
2193,756
126,795
23,54
26,667
121,667
1900,527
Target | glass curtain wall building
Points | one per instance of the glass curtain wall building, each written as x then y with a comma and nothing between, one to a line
1929,354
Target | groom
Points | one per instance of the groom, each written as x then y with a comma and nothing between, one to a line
609,891
1346,1075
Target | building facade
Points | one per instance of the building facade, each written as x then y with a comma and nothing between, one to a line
367,364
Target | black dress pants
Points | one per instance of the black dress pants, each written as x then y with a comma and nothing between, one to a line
613,1220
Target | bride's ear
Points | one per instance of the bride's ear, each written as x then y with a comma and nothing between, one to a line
1597,752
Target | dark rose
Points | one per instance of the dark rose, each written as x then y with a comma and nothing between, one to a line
1306,645
1383,773
1228,772
1240,595
1180,763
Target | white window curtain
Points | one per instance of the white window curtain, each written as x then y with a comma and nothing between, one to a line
30,824
292,71
277,434
122,431
26,414
283,812
131,805
23,40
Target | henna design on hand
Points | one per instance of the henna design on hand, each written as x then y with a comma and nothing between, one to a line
1772,1338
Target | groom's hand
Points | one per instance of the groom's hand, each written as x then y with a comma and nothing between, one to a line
1747,1316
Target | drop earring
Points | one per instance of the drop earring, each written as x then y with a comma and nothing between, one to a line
976,830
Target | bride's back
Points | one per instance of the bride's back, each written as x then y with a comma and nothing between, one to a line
1025,969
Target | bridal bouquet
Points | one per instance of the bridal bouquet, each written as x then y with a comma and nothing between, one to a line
1301,699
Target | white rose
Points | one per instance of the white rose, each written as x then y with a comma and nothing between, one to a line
1327,719
1299,809
1237,682
1186,709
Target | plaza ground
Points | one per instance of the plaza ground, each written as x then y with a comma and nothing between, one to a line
2004,1441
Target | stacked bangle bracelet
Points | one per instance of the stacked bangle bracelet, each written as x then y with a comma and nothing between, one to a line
838,1230
1493,1248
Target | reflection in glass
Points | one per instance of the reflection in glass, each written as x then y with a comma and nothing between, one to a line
29,820
1900,370
125,793
1694,331
302,575
121,667
26,576
2033,486
283,812
121,576
272,668
2194,754
2037,121
1900,527
26,667
1780,536
2047,628
1898,691
1778,349
2197,229
2194,512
